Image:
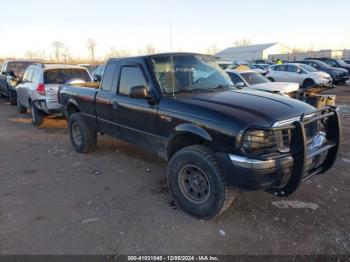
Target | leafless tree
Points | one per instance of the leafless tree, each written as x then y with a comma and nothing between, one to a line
242,42
212,50
58,46
114,53
150,49
91,44
30,54
65,54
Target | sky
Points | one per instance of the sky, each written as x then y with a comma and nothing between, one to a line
196,25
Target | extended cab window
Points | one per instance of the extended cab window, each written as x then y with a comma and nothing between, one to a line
130,76
62,75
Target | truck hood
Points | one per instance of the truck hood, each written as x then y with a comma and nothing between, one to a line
242,108
273,87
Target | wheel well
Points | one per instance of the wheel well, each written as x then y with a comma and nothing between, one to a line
184,140
308,79
72,109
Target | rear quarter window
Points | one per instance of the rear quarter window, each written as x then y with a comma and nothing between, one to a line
61,76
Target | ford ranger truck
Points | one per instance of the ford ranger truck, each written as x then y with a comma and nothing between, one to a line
216,138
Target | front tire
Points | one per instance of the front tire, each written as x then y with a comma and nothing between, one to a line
82,137
308,83
21,109
198,183
37,118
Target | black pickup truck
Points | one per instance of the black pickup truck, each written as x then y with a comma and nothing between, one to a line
216,138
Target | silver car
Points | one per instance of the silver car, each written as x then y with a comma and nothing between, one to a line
39,88
304,75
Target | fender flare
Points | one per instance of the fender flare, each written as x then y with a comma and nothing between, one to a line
192,129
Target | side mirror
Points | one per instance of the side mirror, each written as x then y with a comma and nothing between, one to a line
139,92
240,84
97,78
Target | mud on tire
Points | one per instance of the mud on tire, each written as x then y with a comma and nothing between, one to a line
183,169
82,137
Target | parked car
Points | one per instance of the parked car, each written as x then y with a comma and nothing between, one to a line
258,69
347,61
303,74
252,79
333,62
337,74
98,72
217,139
226,64
11,73
38,90
263,66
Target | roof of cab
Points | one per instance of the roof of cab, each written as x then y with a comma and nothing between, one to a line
156,55
56,66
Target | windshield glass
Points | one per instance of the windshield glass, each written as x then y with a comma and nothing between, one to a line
331,63
254,78
188,73
61,76
308,68
341,62
18,67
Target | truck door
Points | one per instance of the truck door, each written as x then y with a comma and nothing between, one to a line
136,118
105,98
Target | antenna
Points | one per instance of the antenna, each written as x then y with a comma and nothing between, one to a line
171,35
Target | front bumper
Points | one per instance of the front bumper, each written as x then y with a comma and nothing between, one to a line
282,175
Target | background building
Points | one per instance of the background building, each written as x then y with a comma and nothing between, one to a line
252,52
346,54
303,55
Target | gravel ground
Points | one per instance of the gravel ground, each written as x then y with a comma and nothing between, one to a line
115,201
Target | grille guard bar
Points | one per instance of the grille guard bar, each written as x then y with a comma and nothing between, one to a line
299,147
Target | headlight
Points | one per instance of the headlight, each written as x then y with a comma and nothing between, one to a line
264,142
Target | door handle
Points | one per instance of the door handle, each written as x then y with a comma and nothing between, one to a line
115,105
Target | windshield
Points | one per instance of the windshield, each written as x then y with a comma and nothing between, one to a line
331,63
61,76
308,68
176,73
341,62
18,67
254,78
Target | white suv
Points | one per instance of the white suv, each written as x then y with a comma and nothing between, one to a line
303,74
39,88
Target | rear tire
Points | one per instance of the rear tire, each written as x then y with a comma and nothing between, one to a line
82,137
37,118
198,183
21,109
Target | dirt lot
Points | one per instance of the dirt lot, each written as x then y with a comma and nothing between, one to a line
55,201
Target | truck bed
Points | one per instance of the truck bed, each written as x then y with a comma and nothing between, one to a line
82,94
